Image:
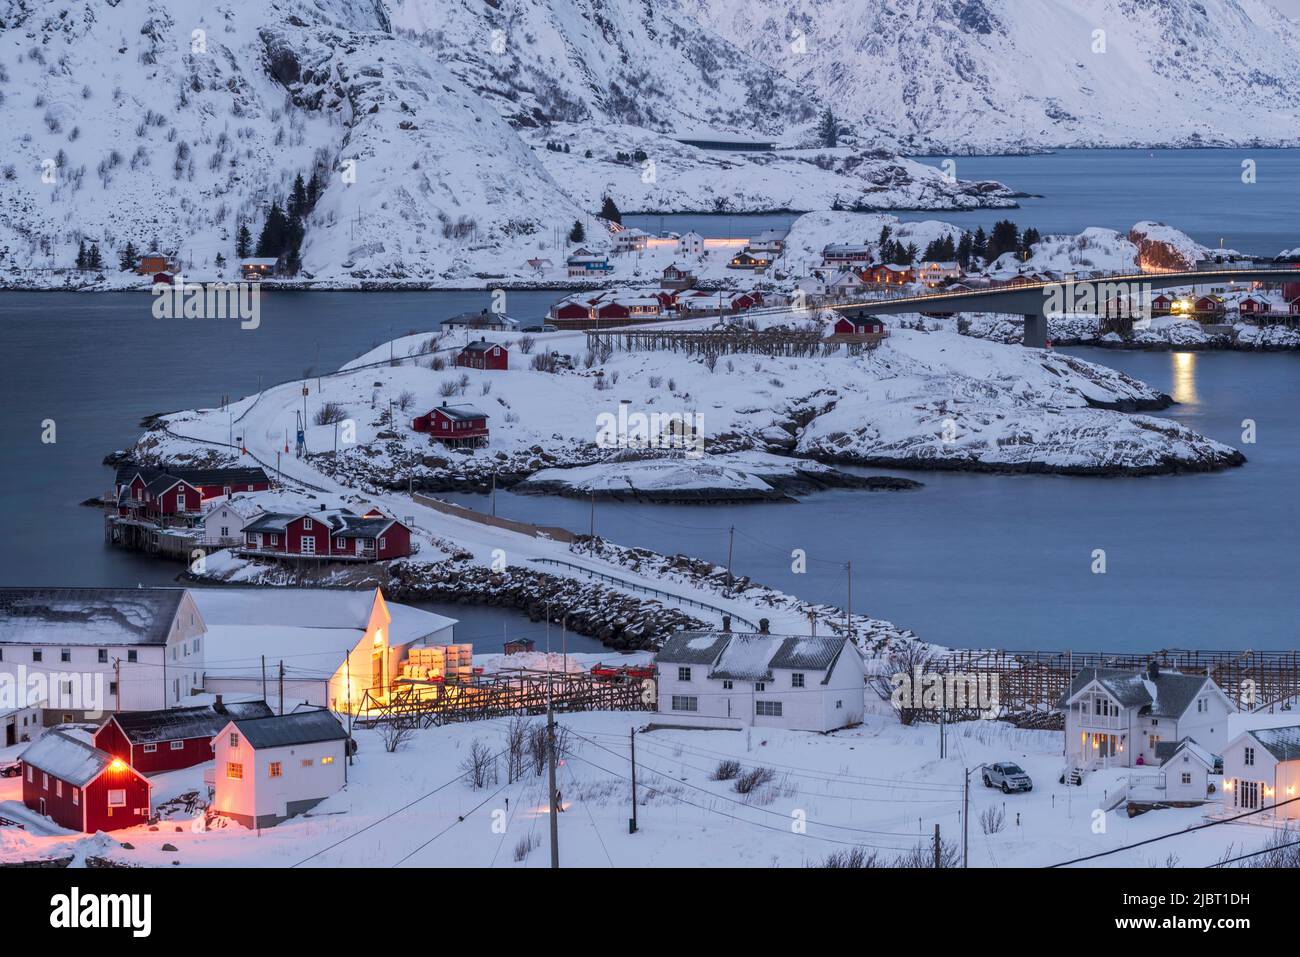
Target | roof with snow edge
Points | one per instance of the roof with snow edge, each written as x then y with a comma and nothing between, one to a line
460,412
287,730
1168,695
1282,743
213,476
174,724
87,616
66,758
1166,751
751,657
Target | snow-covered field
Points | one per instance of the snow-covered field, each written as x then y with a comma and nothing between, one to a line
881,787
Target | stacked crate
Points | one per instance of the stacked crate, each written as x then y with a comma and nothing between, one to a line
449,662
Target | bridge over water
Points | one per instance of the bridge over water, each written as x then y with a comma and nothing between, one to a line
1037,301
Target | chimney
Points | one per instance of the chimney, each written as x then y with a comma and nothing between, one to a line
726,623
762,626
1153,670
218,707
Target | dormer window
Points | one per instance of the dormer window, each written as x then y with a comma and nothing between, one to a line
306,524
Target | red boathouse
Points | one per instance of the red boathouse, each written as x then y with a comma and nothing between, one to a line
81,787
484,355
173,738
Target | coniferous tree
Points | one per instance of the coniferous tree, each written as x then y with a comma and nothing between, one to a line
313,190
128,258
1028,238
81,255
271,243
1005,238
828,129
609,210
297,206
577,234
964,251
243,242
910,254
980,245
93,259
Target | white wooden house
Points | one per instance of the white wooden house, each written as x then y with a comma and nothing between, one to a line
269,769
1261,768
690,243
1117,718
81,652
726,680
1188,771
224,520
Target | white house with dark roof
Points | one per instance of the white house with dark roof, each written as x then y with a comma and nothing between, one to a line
726,680
1261,768
87,651
269,769
1117,718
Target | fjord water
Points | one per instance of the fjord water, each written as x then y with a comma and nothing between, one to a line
1193,561
1200,192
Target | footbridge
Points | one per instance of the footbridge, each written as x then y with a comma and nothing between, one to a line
1036,301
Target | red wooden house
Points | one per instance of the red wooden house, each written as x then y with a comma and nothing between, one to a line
173,738
610,311
454,425
1209,306
329,535
81,787
153,494
1161,305
858,328
153,262
571,310
484,355
1253,305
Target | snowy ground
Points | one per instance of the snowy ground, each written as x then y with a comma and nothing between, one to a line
881,786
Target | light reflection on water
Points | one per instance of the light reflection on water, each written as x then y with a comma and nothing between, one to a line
1184,377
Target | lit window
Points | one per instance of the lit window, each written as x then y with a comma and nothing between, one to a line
327,760
276,769
306,762
234,771
76,797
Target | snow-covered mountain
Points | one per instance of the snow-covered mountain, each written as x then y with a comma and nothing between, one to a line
169,123
988,75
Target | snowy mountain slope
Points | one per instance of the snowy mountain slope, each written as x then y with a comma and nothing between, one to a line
987,75
170,122
176,146
605,61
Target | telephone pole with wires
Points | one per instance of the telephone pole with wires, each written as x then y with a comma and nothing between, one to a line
631,828
555,820
731,542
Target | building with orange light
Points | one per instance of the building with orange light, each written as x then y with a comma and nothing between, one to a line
1261,770
82,788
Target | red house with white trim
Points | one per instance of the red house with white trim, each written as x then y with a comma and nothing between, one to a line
454,425
484,355
329,535
173,738
82,788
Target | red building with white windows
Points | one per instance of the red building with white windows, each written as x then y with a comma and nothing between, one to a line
173,738
454,425
82,788
484,355
858,328
161,494
327,535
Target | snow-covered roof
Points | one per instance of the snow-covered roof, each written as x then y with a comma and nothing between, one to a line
288,730
1282,743
1167,694
1168,750
750,657
87,616
309,629
462,412
66,758
175,724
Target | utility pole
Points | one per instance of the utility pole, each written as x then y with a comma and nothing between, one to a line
936,846
632,823
281,686
263,677
555,821
494,493
848,612
965,824
943,742
593,514
117,681
731,541
347,664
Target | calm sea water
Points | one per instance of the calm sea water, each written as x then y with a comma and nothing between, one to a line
1198,191
1192,560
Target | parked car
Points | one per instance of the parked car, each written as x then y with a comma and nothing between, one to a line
533,329
549,328
1007,776
11,770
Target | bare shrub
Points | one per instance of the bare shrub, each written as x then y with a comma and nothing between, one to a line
479,766
447,388
545,362
526,845
329,413
753,779
437,363
406,400
993,819
485,388
526,344
726,770
517,731
395,735
656,381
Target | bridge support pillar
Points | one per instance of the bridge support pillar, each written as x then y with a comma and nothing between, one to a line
1035,331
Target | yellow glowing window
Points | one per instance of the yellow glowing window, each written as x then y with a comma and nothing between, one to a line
327,760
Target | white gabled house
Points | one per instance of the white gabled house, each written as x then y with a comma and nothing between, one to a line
269,769
1118,717
1187,769
1261,768
224,520
725,680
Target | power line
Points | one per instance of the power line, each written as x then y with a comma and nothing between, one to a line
1163,837
459,819
1267,850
